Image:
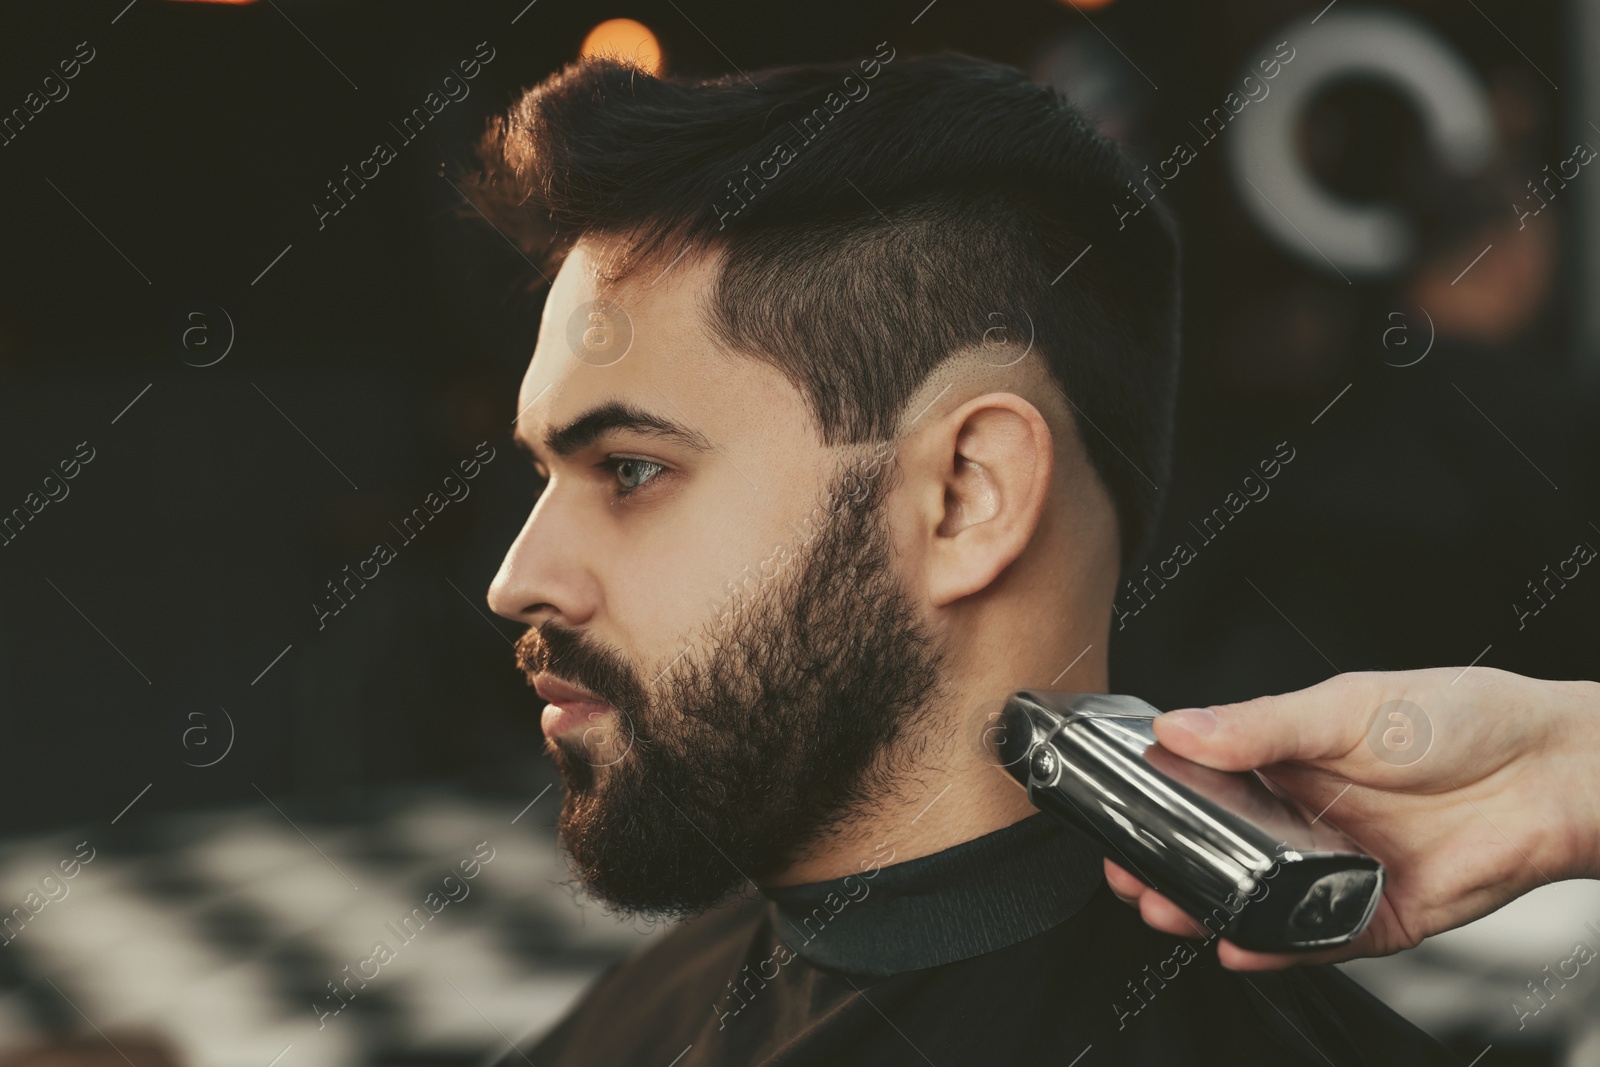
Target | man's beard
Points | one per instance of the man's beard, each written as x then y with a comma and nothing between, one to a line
799,709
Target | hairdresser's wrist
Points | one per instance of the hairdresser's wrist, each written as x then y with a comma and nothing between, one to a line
1563,771
1579,743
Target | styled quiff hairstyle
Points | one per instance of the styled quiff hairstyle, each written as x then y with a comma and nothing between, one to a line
874,218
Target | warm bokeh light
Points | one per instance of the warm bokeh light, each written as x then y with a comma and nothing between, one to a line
626,38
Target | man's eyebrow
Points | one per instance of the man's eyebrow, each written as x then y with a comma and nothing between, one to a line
615,415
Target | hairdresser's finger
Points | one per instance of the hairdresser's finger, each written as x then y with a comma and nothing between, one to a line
1155,909
1161,913
1124,886
1235,958
1322,722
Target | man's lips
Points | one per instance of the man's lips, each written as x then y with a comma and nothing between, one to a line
569,709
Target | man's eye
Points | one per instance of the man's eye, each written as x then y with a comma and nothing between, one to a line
631,473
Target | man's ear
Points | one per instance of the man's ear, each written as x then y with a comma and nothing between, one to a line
990,465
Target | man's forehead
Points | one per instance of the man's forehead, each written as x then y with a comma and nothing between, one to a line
620,354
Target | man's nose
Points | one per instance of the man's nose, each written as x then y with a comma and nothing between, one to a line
543,576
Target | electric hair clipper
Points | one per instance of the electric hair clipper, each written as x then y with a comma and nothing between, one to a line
1246,863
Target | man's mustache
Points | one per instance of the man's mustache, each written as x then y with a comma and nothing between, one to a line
572,657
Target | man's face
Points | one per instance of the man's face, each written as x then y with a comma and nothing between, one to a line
720,580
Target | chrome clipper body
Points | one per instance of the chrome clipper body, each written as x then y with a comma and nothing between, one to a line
1250,865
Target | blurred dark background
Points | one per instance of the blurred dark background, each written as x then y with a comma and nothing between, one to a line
299,382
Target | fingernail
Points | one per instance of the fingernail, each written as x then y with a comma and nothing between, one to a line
1200,721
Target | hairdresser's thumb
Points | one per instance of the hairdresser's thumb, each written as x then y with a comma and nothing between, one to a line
1194,733
1254,733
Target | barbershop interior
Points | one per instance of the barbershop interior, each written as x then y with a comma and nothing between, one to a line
249,308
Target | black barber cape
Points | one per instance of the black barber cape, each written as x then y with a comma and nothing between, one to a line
1008,949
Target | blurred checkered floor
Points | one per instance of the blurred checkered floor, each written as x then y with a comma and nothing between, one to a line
1471,986
218,934
215,935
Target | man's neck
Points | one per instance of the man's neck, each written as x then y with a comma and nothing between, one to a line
958,792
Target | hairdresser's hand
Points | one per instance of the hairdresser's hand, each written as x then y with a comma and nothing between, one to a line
1491,790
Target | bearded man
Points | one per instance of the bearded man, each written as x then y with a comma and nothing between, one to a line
850,403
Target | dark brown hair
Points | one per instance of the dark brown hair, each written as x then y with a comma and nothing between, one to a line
875,218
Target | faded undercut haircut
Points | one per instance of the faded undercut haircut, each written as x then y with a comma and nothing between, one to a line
874,218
